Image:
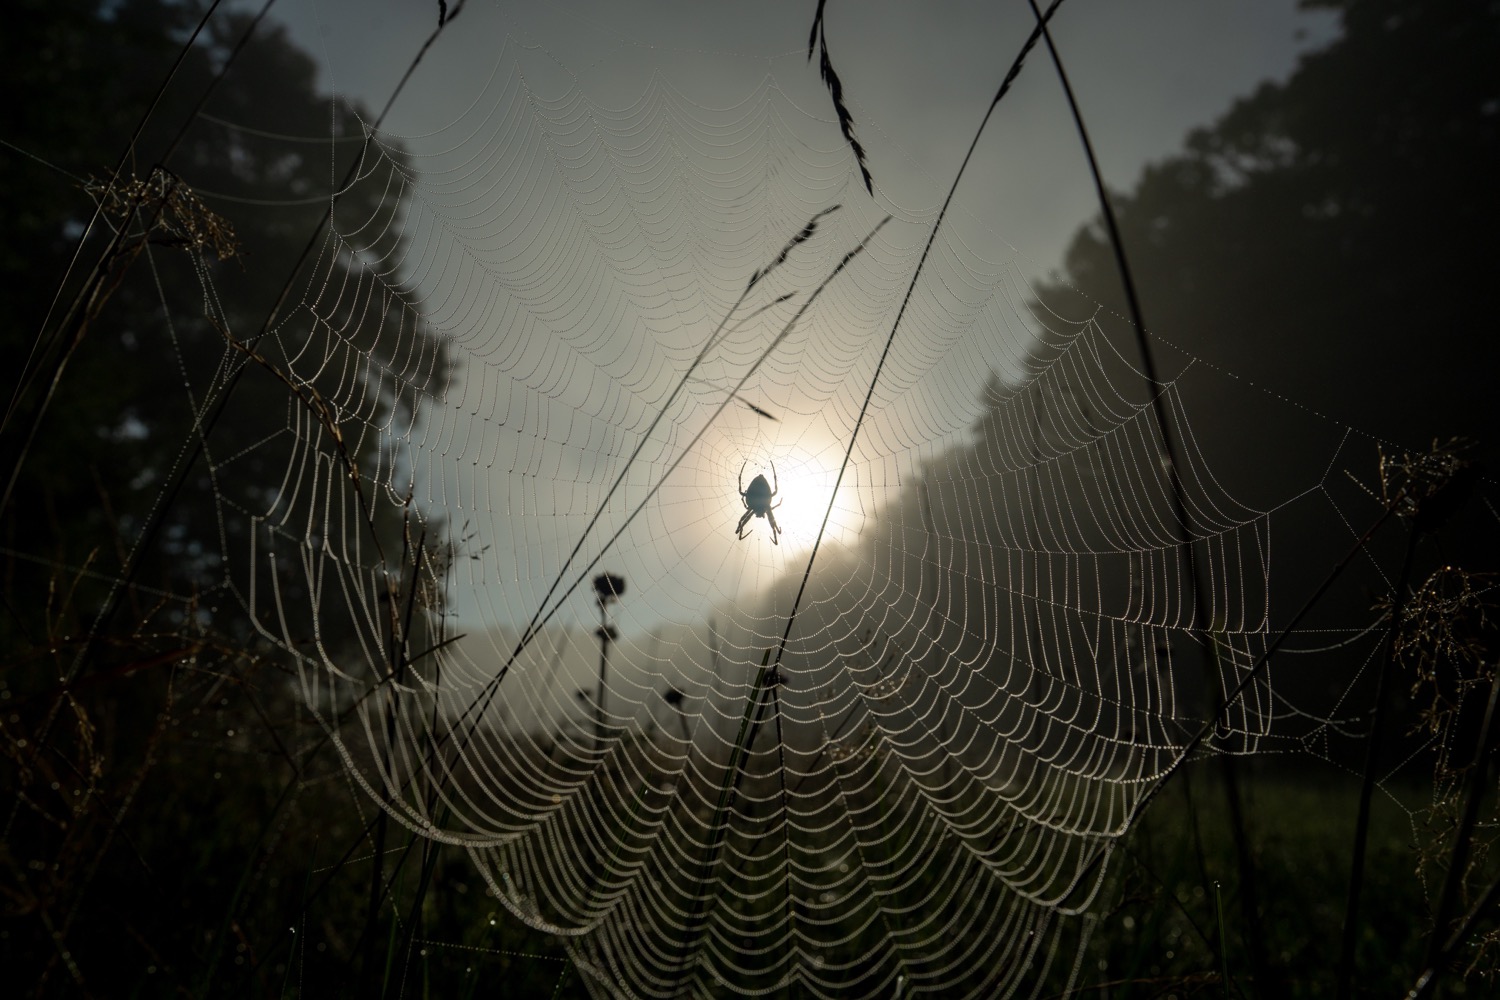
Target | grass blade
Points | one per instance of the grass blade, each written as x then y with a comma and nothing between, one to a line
819,38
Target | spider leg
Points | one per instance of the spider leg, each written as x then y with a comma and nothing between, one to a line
739,530
742,476
775,528
775,484
778,503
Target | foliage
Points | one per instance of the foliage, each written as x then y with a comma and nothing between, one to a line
1340,218
176,821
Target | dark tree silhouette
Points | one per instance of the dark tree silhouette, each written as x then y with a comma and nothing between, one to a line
170,808
1329,236
1326,240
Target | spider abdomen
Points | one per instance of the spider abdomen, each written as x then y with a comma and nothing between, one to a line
758,496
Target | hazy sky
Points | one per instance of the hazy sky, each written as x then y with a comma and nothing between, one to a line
918,76
501,108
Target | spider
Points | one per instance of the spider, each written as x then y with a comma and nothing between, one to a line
757,501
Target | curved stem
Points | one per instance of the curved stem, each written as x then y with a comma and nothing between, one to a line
1250,905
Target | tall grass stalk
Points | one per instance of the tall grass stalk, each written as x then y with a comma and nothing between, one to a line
1458,857
769,679
1343,980
1428,980
749,723
1087,870
937,224
1223,944
1248,895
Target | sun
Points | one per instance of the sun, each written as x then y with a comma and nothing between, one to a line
805,483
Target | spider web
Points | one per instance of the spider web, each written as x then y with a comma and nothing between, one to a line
986,656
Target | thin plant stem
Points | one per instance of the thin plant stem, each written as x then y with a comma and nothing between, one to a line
604,637
1428,980
1259,957
727,789
1344,977
890,339
1458,858
1195,828
398,644
1086,870
1005,85
1223,945
769,679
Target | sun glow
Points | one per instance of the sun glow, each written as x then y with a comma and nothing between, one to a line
805,484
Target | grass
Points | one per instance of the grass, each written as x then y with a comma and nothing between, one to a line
181,825
1164,933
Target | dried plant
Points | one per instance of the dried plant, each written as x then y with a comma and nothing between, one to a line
1445,640
173,215
1427,485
